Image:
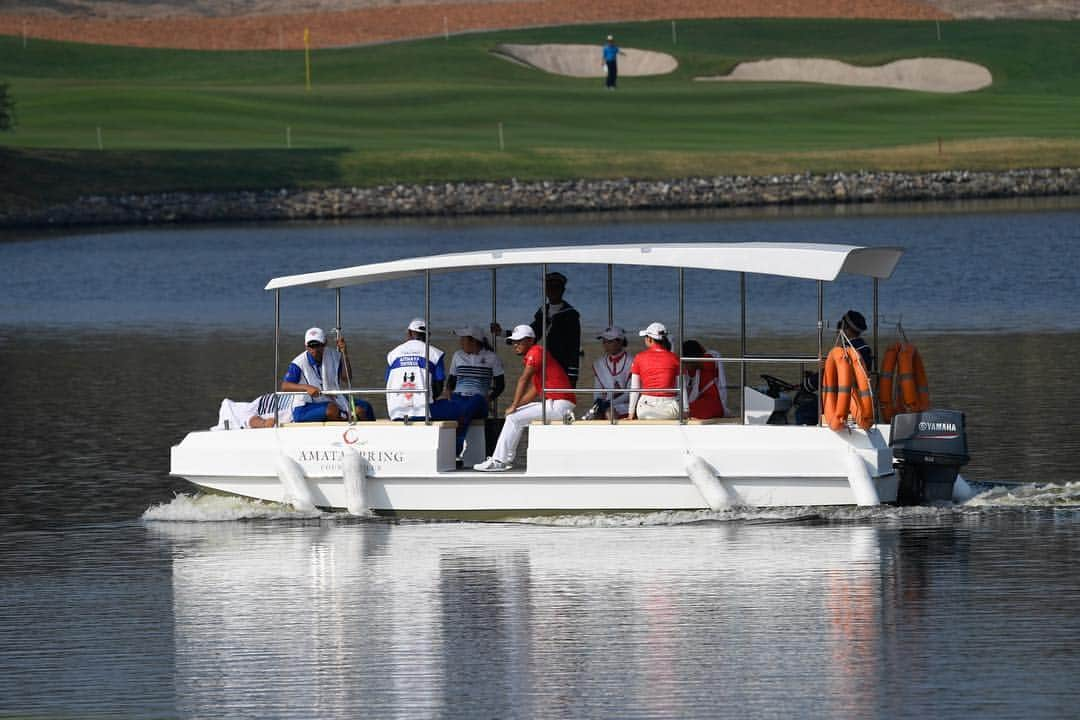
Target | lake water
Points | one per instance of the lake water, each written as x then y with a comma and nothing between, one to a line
123,593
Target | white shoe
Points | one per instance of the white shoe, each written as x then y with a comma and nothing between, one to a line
492,465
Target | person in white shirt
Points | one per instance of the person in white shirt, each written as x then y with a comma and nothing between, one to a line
612,371
407,369
476,378
264,411
318,369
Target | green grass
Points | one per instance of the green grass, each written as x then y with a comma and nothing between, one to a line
429,110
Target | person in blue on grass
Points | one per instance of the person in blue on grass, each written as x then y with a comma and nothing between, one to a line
611,62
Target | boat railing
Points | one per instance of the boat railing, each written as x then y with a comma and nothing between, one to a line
680,391
609,393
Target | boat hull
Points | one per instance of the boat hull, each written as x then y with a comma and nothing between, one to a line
570,468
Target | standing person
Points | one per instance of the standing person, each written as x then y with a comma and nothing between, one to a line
526,405
407,369
564,326
657,367
564,332
611,62
706,386
853,324
612,370
318,369
476,378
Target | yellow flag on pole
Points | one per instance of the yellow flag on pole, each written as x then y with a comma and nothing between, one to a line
307,59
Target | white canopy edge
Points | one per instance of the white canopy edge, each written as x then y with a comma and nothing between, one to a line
811,261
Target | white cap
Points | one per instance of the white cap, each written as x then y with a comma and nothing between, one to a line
470,331
609,37
612,333
418,325
656,331
315,335
521,332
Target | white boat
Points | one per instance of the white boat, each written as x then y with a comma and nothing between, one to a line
410,469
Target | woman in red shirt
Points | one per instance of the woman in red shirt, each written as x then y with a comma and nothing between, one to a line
656,367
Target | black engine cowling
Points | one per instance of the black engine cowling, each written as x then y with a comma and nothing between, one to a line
930,448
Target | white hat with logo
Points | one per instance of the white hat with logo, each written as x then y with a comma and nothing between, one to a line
470,331
612,333
315,335
521,332
418,325
656,331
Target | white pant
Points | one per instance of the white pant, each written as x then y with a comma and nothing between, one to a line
652,407
519,420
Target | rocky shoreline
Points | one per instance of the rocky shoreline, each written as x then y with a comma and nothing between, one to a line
514,197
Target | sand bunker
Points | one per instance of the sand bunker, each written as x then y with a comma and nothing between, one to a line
927,74
585,61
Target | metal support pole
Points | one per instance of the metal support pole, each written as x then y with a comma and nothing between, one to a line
742,341
277,338
543,350
427,348
682,335
873,371
820,342
876,319
337,311
494,340
610,296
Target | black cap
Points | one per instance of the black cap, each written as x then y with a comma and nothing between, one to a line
855,320
556,277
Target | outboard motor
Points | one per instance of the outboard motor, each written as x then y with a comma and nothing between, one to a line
931,447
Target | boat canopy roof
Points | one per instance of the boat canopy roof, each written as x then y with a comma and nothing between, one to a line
811,261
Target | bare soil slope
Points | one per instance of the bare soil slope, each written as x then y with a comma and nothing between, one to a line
278,24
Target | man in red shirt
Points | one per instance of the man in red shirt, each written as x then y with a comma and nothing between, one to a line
526,405
656,367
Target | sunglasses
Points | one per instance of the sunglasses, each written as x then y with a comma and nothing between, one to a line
314,344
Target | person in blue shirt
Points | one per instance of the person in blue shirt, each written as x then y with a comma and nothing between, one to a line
611,62
320,368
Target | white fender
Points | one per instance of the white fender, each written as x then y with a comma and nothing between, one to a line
707,483
295,490
862,486
352,468
961,491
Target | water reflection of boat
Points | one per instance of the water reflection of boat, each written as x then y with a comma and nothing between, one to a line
516,621
593,465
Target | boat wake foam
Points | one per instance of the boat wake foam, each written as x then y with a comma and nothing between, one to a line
222,508
1033,495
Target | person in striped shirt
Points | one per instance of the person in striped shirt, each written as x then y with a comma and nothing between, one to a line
476,378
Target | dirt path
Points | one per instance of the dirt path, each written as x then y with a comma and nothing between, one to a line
265,26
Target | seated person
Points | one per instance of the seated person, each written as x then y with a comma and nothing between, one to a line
612,370
407,369
526,405
318,369
261,412
476,378
706,387
656,367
